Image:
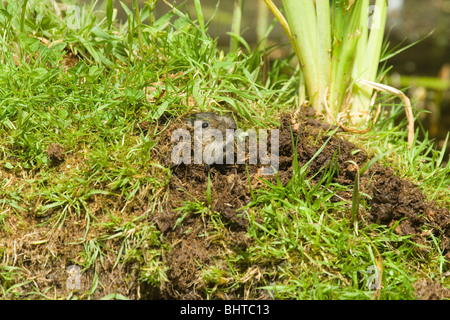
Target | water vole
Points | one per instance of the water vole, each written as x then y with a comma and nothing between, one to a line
213,133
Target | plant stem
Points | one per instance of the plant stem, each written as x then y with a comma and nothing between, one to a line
369,67
236,24
302,20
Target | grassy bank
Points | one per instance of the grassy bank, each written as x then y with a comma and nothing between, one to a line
84,107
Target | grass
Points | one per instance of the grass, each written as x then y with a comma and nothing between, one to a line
109,187
320,256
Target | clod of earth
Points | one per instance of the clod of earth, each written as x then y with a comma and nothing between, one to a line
55,153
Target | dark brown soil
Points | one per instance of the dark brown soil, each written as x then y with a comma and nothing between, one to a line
391,200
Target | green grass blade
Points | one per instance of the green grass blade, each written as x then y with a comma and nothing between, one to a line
22,16
199,12
109,13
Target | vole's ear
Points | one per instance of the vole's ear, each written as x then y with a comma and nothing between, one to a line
189,120
232,124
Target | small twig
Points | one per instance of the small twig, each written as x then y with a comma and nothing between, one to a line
401,95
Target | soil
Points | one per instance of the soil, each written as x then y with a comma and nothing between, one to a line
46,254
55,153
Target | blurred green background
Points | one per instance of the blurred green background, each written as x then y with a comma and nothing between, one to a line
424,68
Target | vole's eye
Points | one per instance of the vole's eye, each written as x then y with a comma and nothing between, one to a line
205,125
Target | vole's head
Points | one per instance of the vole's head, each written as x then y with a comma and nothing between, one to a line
211,120
213,134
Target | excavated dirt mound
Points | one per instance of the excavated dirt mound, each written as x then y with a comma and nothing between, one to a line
391,200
